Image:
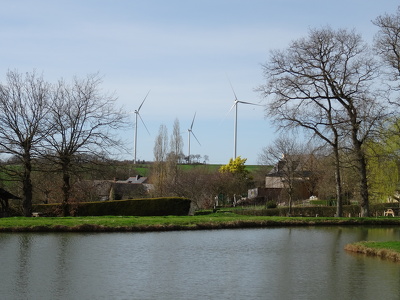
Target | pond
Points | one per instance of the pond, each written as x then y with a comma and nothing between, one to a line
274,263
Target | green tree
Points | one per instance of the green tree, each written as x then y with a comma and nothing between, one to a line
235,178
235,166
384,163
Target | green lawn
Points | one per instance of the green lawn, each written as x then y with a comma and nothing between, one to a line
211,221
390,245
387,250
117,221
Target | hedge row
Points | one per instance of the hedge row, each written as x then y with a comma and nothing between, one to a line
133,207
320,211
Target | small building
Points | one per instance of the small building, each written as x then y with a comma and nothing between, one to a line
103,190
294,171
134,180
276,181
132,187
4,198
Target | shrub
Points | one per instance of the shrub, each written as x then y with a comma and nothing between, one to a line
133,207
320,211
271,204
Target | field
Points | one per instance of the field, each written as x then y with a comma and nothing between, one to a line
144,169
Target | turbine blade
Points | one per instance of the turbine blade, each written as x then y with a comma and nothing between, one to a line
244,102
232,87
229,112
143,100
230,83
195,137
143,123
191,126
234,104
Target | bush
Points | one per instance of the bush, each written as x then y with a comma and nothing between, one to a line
320,202
320,211
271,204
134,207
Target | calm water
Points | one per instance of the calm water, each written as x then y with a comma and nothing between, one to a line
281,263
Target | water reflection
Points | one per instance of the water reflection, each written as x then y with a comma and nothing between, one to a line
23,257
279,263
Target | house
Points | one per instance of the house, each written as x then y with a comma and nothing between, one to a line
103,190
4,198
290,171
132,187
134,180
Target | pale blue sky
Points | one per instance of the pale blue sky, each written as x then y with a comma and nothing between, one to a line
182,51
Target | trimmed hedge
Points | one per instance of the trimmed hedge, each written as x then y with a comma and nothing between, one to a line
133,207
320,211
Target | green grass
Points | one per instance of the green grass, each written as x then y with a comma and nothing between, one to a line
320,202
115,221
144,169
386,250
391,245
211,221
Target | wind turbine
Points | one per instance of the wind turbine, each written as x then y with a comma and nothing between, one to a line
235,105
137,114
190,132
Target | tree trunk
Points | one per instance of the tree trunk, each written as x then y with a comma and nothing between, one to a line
290,194
66,188
27,187
362,167
364,187
339,196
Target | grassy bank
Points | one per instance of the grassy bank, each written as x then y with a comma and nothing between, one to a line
211,221
386,250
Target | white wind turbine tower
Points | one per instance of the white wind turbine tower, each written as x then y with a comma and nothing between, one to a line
190,132
235,104
137,114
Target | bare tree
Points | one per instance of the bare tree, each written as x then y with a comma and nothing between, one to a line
288,156
325,83
83,118
303,98
23,122
197,184
387,43
46,182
